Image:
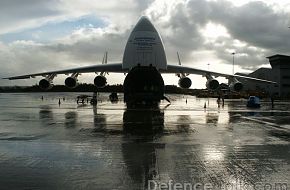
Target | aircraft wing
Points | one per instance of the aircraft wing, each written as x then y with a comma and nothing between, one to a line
190,70
116,68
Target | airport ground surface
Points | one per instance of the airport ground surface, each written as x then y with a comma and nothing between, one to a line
47,146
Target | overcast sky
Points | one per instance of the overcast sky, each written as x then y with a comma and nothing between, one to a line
41,35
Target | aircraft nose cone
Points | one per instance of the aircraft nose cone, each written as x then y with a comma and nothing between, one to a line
144,24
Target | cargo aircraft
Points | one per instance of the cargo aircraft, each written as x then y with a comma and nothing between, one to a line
144,60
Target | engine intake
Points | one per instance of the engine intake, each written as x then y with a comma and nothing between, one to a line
100,81
212,84
45,84
236,86
184,82
71,82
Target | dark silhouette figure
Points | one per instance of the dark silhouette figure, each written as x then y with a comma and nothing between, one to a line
218,101
272,101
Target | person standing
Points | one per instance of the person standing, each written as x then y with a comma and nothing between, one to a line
272,101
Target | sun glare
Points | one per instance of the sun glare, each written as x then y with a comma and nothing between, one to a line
213,31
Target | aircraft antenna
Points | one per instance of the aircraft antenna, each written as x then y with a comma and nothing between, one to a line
181,74
105,61
179,62
105,58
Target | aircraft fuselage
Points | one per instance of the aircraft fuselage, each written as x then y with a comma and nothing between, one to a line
144,56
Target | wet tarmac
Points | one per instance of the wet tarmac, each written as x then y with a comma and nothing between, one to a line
44,145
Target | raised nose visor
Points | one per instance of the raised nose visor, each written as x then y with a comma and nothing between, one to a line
144,47
144,24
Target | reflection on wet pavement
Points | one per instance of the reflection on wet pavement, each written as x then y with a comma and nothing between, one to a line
46,146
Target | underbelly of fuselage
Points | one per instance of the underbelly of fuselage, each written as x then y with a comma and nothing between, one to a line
143,85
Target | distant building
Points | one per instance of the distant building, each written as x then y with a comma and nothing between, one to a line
281,67
280,73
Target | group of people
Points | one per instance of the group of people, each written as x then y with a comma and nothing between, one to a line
85,97
80,99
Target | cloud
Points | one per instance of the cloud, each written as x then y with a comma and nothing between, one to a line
17,15
54,30
261,28
256,23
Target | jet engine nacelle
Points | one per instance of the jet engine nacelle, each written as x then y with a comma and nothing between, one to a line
100,81
71,82
212,84
45,84
236,86
184,82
